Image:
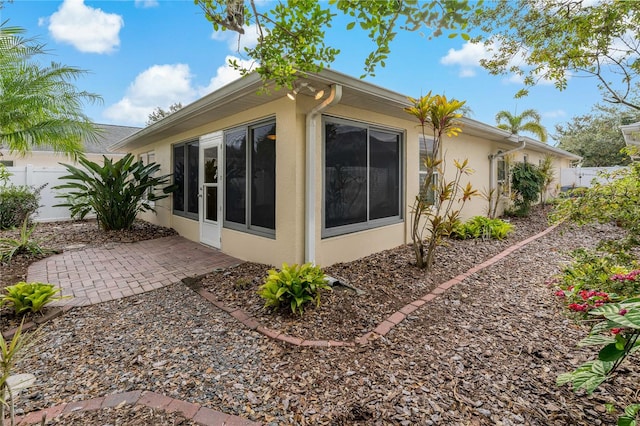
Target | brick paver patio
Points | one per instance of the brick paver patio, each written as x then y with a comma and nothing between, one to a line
99,274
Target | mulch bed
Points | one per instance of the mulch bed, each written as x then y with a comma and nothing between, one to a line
386,281
486,352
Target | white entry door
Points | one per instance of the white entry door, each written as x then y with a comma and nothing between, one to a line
210,189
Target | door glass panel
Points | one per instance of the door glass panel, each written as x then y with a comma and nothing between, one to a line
211,208
193,154
211,165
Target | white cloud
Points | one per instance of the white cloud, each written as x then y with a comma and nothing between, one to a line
86,28
225,74
468,58
248,39
145,4
157,86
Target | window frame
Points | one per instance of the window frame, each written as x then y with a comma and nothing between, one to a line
503,185
146,158
185,209
436,174
247,227
369,223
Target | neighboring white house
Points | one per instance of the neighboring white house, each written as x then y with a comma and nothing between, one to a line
43,167
631,133
46,157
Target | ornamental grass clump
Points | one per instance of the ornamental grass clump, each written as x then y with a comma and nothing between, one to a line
24,244
294,286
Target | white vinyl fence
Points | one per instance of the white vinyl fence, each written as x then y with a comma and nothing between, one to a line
36,177
582,176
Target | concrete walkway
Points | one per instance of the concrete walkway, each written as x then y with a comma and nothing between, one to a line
99,274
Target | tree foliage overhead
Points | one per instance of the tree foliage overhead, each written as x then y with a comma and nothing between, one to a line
39,105
527,121
596,137
159,113
558,39
291,35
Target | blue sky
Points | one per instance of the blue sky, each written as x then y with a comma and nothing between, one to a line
147,53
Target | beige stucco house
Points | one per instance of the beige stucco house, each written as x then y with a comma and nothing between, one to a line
324,174
94,151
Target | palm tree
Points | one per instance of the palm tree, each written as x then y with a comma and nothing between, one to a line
517,123
39,105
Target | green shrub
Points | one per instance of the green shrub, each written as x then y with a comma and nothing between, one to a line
10,247
527,182
293,286
482,227
29,297
17,203
116,192
596,270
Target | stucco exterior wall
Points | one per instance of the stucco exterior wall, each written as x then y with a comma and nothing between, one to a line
288,245
289,242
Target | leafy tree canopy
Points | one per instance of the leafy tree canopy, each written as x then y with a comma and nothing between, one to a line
291,35
596,137
527,121
557,39
39,105
159,113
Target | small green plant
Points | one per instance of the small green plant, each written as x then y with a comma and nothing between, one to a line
10,247
294,286
17,203
29,297
618,335
482,227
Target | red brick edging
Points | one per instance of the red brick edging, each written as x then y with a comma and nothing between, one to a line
385,326
195,412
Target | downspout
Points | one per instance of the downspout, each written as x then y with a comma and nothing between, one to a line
310,173
493,157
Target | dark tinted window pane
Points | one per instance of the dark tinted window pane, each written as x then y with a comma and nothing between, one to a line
178,177
192,178
235,171
384,175
211,165
263,177
211,205
345,175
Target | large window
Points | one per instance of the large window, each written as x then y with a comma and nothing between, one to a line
185,177
250,184
362,177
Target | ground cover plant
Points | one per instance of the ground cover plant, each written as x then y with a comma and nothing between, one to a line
294,286
605,284
482,227
29,297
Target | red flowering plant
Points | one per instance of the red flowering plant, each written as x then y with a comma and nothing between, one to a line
618,335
